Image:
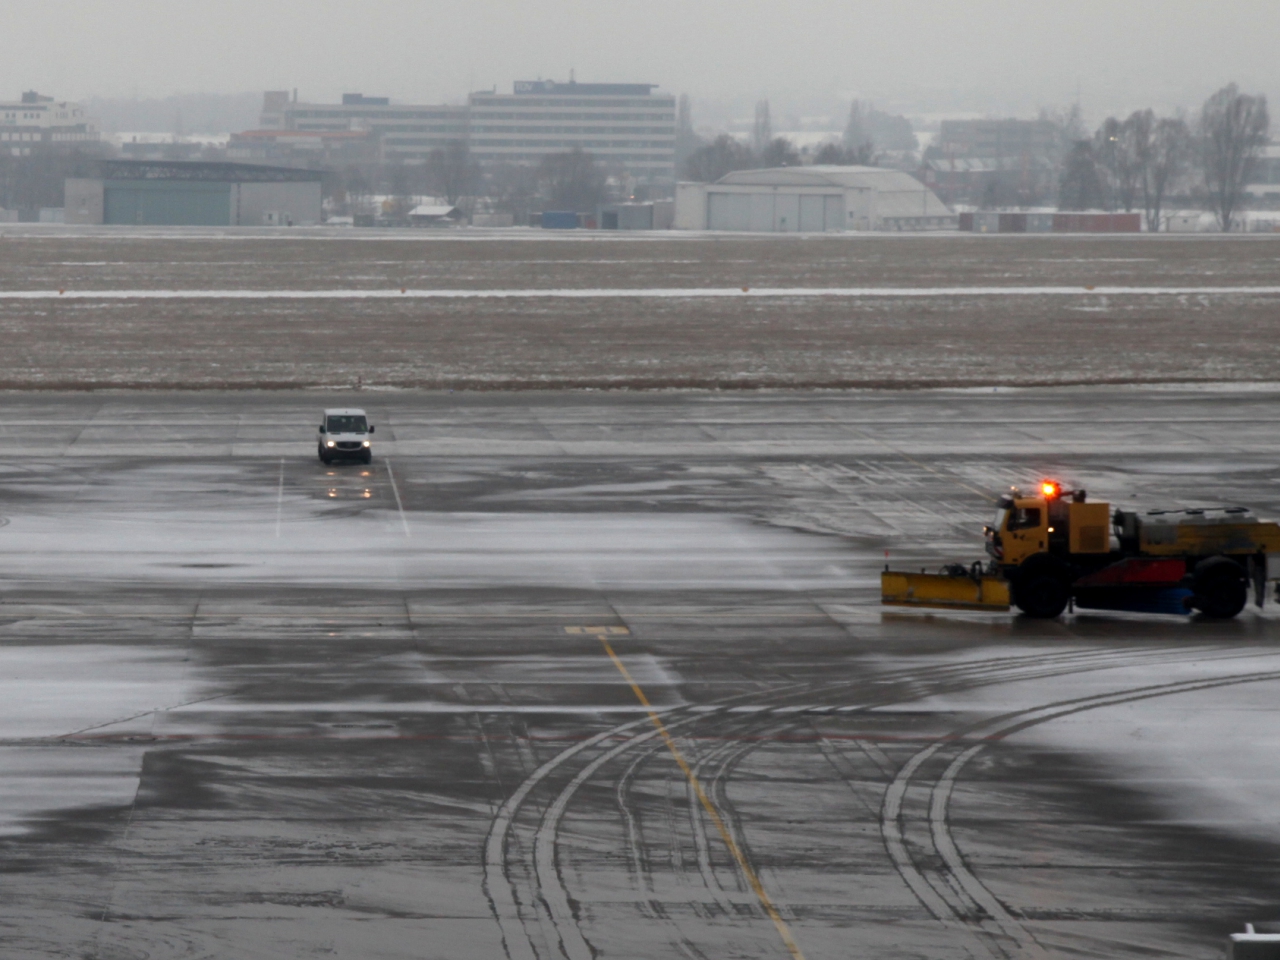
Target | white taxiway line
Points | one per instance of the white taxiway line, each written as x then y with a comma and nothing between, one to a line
396,490
280,498
623,293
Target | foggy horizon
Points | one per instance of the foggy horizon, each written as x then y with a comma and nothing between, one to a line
985,57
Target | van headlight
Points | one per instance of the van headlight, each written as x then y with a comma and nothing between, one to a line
366,443
329,443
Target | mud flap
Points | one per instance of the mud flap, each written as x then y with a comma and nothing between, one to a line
959,592
1258,574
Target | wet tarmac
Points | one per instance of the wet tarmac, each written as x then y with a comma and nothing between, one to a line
605,675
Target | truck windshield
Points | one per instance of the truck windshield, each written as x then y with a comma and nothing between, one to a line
346,424
1025,518
998,523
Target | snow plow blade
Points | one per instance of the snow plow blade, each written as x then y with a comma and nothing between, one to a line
961,592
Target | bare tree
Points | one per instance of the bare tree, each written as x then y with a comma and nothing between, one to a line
762,128
452,172
1233,131
857,134
402,183
512,186
1137,133
1067,130
780,152
686,140
356,191
1080,187
837,155
571,181
1118,147
1170,153
722,155
1107,159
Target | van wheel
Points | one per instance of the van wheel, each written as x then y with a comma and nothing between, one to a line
367,457
1219,588
1041,594
324,457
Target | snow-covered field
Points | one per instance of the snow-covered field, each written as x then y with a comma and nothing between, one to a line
426,311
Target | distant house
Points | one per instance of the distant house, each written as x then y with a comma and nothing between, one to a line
434,215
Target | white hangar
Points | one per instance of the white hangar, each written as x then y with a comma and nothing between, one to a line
811,200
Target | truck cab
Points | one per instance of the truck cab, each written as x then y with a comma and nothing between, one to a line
1049,522
344,434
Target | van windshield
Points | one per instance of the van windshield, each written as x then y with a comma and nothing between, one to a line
347,424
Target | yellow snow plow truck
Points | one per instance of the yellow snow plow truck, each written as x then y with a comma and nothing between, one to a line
1054,547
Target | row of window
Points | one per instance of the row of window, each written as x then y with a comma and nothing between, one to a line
629,116
598,131
383,114
503,100
20,136
632,161
459,129
431,142
455,130
1267,171
488,143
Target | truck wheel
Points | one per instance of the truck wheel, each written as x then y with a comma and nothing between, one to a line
1219,588
1041,594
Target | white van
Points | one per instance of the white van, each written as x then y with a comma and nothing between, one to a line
344,435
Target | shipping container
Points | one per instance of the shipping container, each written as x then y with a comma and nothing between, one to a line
986,223
559,220
1097,223
1013,222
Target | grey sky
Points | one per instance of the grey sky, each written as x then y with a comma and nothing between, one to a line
997,56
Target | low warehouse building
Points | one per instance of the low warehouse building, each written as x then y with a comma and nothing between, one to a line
179,193
811,200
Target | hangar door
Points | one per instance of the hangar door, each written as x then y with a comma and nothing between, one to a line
769,210
167,203
821,213
729,211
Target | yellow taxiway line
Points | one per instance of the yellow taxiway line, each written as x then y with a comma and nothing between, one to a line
752,878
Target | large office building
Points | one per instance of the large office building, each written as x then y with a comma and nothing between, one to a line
994,163
36,123
405,132
997,139
627,126
1264,183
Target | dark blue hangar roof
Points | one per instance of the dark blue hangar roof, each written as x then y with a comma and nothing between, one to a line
204,171
572,89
